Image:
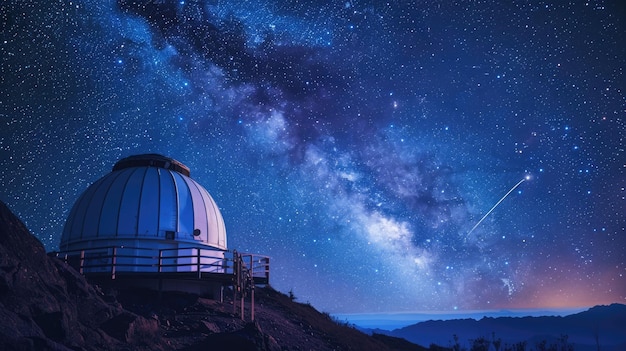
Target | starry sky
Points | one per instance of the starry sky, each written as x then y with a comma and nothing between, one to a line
357,143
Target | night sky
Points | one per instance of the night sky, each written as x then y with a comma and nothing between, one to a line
357,143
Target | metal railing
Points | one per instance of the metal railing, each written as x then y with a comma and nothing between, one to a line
117,259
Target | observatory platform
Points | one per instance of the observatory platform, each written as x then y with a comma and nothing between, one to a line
149,224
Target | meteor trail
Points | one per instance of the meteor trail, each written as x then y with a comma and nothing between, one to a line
497,203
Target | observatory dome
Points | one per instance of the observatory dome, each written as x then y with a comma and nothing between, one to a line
148,200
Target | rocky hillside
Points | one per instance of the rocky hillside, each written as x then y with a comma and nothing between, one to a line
46,305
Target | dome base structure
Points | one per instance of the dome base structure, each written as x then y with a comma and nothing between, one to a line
189,269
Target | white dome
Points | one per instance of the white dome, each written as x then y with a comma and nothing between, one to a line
145,197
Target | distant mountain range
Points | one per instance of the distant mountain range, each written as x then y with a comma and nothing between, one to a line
397,320
598,328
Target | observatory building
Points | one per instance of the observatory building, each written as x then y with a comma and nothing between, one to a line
149,223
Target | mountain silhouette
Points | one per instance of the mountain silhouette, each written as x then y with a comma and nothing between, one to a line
600,327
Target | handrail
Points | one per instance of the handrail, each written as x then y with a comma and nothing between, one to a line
115,259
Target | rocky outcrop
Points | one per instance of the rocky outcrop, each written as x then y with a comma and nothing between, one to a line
44,304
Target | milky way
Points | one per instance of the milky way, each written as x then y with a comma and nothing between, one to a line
356,143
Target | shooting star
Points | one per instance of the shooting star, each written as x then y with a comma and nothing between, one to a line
527,177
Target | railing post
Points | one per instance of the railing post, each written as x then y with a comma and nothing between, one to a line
198,262
252,288
81,269
267,269
241,286
160,260
113,262
235,281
